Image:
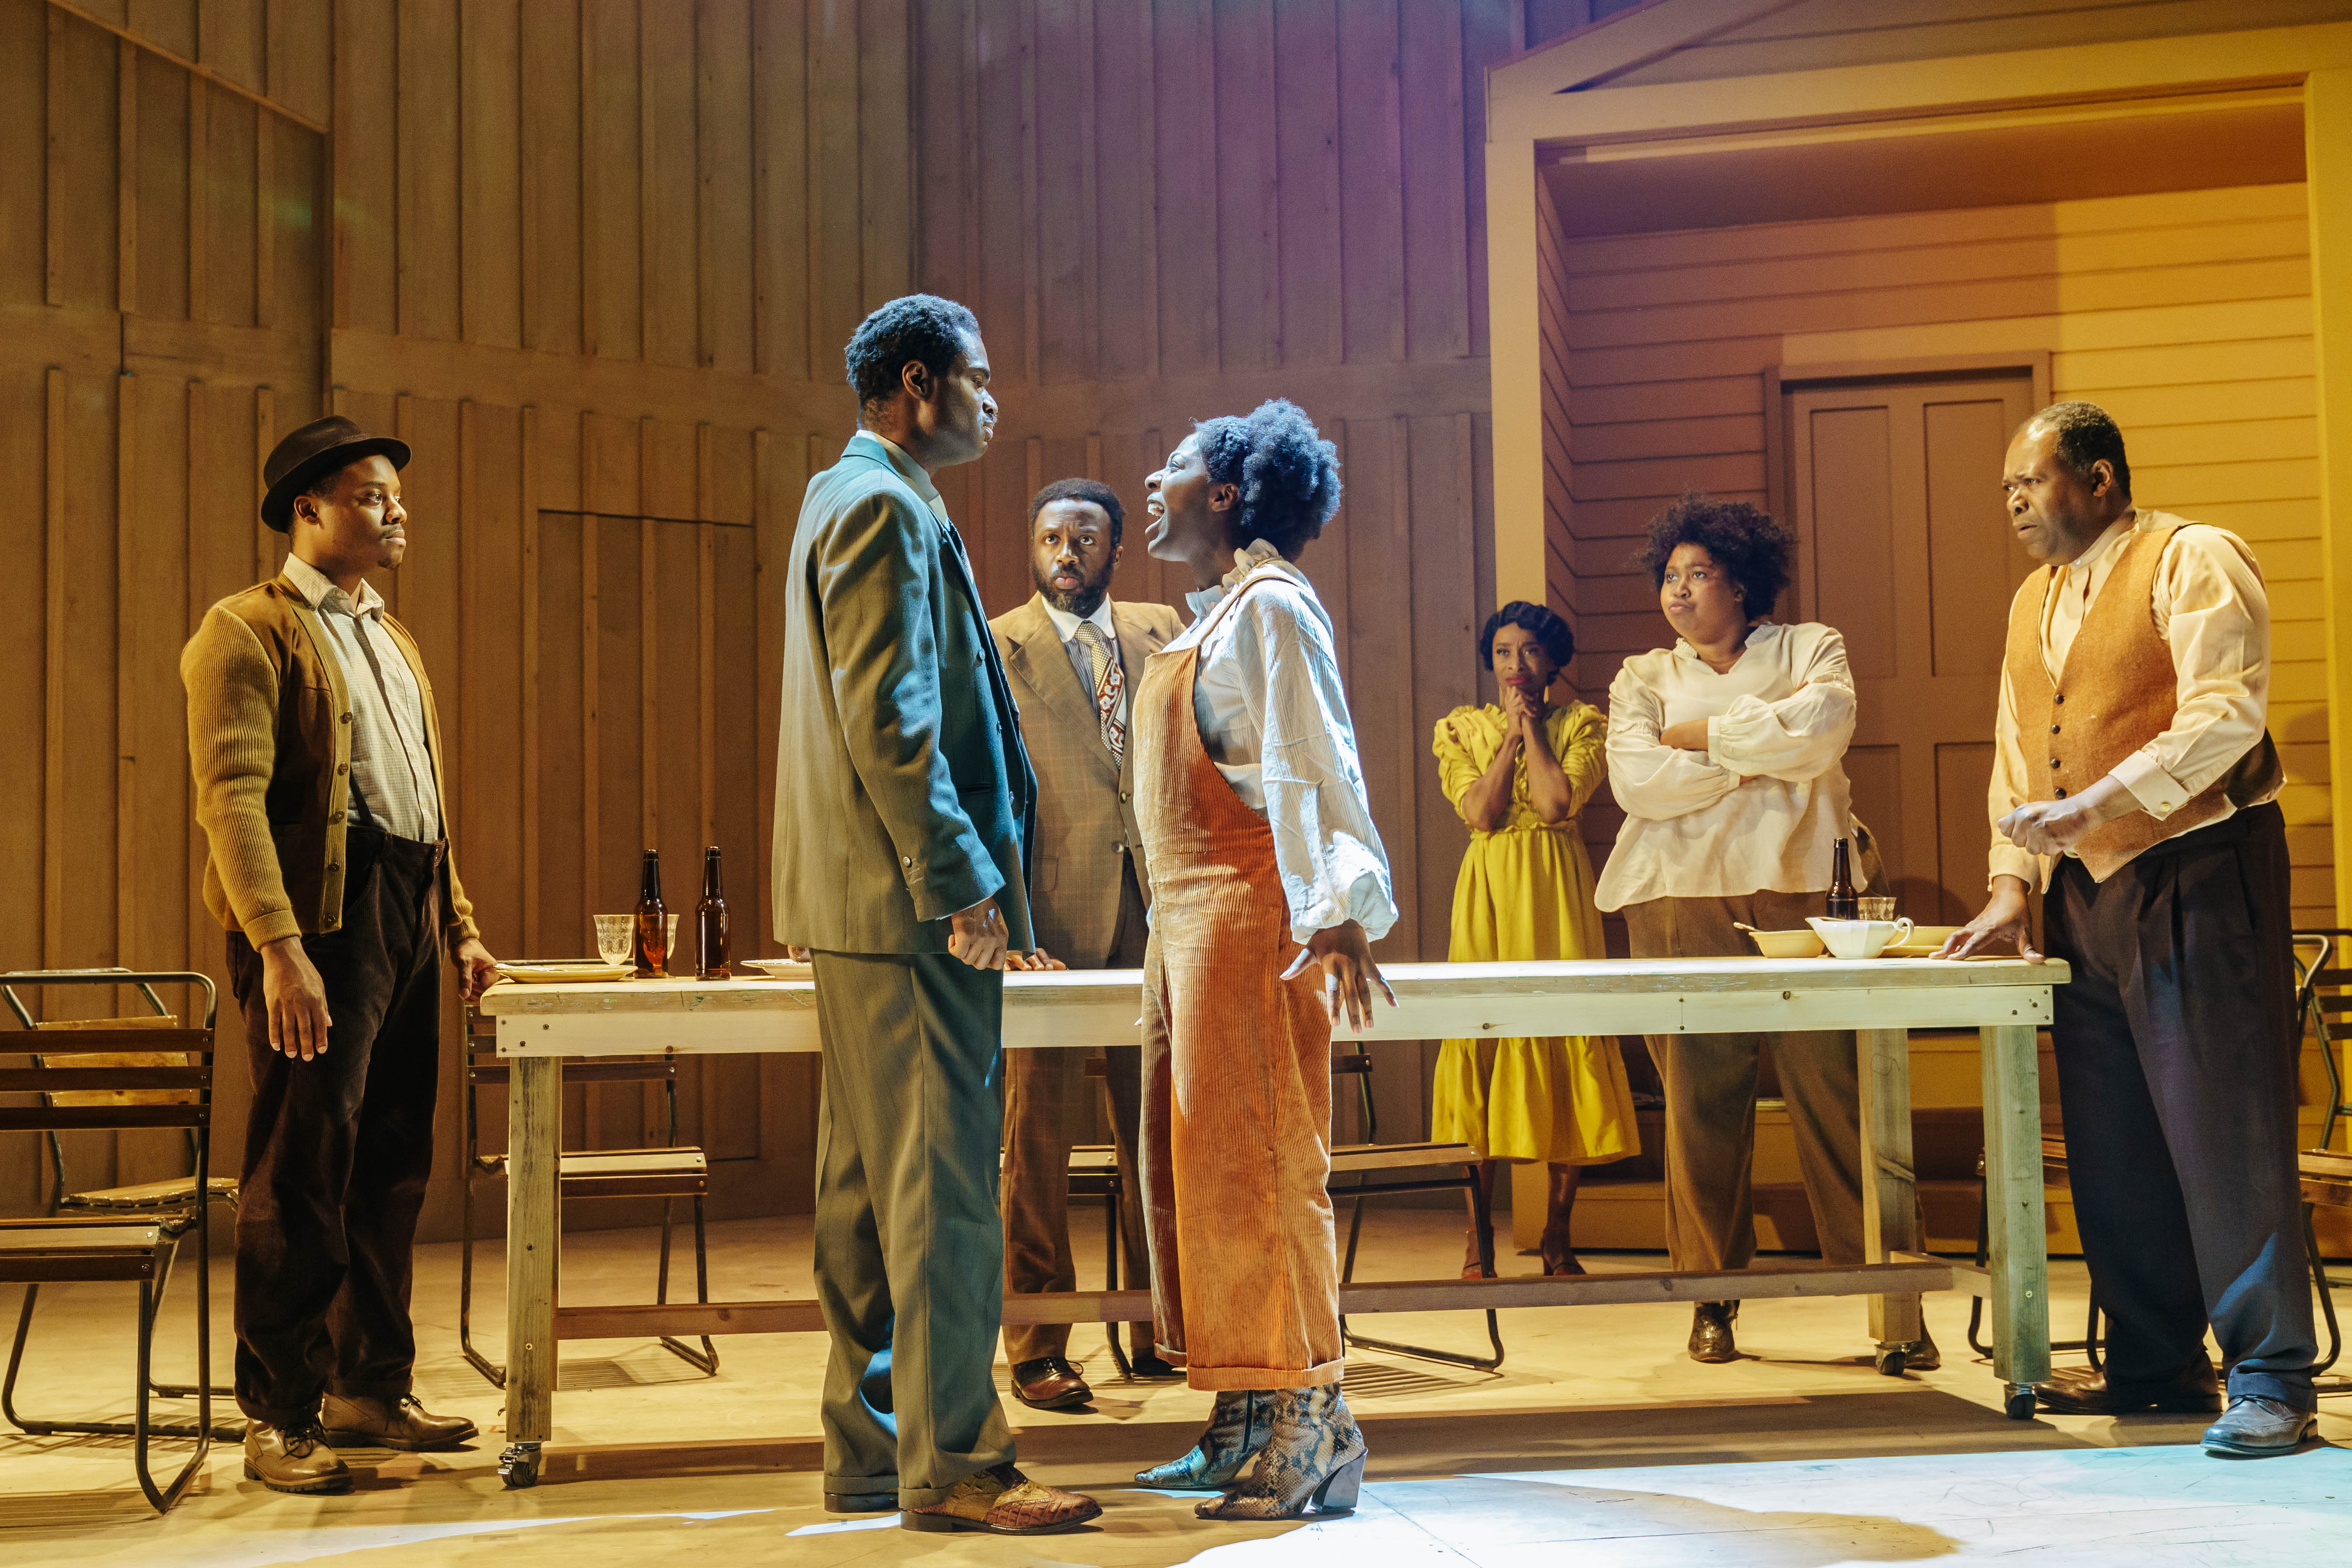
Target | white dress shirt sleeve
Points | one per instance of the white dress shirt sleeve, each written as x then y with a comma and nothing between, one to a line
2211,606
2006,792
1800,737
1649,778
1329,855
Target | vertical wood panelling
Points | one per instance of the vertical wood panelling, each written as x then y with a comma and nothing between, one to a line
596,260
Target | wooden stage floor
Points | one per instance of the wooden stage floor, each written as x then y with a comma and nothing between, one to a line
1599,1443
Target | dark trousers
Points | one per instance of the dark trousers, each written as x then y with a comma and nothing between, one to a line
910,1251
338,1149
1045,1094
2177,1076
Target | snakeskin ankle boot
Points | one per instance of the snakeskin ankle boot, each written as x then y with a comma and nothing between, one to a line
1238,1428
1312,1465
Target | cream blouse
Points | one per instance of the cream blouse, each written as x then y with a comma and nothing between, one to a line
1272,719
1760,808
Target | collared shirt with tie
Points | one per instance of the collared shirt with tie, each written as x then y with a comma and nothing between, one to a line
1092,645
392,786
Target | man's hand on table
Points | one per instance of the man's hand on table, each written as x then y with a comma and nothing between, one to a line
297,1000
977,935
1349,972
2001,925
477,970
1037,963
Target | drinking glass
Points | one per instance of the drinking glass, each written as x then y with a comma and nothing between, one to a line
1877,909
615,938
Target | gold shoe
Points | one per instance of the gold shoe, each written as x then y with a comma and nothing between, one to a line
401,1424
1003,1501
293,1460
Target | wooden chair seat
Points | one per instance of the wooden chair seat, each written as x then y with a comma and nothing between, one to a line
42,1251
2327,1177
1354,1157
683,1173
174,1193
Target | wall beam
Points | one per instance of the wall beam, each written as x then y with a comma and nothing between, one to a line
2327,142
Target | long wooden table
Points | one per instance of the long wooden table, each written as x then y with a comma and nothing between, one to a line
2007,1000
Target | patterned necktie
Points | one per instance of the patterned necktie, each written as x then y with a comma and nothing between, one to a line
1110,683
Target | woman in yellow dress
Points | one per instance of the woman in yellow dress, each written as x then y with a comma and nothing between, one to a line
1519,773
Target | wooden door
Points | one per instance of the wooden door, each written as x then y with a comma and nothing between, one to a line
1893,484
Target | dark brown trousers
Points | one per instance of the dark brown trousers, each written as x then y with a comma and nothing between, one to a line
2177,1053
338,1149
1046,1096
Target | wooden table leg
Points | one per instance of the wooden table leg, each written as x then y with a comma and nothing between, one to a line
534,1130
2019,1245
1890,1203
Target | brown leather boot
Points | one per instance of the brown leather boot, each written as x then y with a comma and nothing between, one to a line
401,1423
293,1460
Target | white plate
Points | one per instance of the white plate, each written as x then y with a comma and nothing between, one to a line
780,968
556,973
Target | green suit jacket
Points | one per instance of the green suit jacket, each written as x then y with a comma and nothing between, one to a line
903,793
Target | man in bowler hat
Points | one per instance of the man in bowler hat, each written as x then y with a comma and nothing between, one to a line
319,766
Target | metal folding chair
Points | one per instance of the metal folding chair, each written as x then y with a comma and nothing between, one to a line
113,1074
1373,1159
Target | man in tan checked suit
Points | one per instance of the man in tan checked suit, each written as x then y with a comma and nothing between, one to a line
1071,656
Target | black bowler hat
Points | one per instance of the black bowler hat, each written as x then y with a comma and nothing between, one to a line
310,454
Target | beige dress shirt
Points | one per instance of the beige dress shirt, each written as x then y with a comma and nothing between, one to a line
391,765
2210,607
1763,808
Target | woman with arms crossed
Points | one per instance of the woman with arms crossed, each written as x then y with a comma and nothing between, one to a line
1726,751
1268,885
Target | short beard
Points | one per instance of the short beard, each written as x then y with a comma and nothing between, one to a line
1082,601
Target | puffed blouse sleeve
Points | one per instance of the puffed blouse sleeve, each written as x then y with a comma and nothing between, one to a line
1457,770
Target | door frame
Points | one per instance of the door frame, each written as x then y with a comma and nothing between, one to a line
1781,379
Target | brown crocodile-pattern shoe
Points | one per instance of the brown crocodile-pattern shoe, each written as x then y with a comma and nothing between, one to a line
1003,1501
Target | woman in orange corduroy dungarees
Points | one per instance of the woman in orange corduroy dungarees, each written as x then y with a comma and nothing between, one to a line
1268,885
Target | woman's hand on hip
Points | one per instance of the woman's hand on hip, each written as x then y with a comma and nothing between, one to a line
1349,972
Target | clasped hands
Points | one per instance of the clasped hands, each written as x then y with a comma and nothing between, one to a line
2038,827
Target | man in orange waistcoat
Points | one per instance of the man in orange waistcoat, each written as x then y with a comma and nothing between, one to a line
2135,782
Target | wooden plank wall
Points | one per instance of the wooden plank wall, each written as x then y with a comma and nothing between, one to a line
1814,33
1164,210
2188,315
595,259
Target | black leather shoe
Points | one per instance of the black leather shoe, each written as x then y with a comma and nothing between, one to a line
2257,1428
2193,1392
1920,1354
1710,1339
1146,1365
1050,1382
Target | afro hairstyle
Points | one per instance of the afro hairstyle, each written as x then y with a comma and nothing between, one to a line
1757,549
1288,475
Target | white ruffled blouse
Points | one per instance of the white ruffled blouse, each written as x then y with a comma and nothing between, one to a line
1274,719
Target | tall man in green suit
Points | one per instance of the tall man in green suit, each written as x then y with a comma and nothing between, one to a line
904,806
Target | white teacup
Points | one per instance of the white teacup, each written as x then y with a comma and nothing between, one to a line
1860,938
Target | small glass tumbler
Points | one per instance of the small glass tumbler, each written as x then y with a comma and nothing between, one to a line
1877,909
616,937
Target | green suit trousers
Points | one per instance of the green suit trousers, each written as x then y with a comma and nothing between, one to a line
909,1248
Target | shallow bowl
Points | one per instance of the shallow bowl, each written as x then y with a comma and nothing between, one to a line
1788,943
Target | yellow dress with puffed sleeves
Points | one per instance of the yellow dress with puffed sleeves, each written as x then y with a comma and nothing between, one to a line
1525,893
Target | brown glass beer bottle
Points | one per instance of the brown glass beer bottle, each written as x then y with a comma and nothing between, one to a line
653,923
1845,904
710,922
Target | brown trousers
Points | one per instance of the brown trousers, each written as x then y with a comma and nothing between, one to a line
1710,1083
1046,1096
338,1149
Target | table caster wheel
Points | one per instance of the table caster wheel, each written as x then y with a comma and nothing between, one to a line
2018,1404
518,1465
1890,1361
